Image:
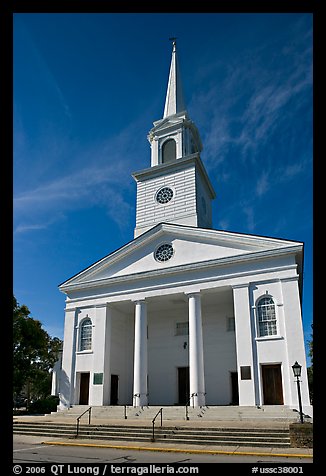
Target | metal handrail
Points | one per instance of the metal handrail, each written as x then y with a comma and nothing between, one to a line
89,410
153,421
187,414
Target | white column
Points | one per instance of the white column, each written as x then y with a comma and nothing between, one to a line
56,375
67,380
140,355
244,345
196,351
155,151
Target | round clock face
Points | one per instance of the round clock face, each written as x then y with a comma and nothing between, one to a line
164,195
164,252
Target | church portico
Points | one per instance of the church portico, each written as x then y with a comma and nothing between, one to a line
164,333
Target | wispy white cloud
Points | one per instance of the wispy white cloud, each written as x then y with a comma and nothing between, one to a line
292,170
38,64
223,224
250,217
29,222
67,188
248,119
30,227
263,184
91,185
272,78
96,174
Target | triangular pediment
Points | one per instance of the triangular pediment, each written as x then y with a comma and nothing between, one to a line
190,245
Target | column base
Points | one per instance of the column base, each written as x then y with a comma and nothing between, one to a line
198,399
140,400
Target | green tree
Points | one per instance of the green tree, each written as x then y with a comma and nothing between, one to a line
34,354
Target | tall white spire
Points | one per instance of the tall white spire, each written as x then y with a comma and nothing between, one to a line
176,171
174,102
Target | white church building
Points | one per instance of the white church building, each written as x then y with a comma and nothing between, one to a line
184,312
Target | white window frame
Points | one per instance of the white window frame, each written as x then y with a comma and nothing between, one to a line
180,327
163,144
82,325
269,323
158,247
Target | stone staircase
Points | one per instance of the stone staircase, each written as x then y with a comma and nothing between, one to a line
266,426
254,437
179,413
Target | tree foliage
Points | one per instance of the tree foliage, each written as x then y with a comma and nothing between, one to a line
34,354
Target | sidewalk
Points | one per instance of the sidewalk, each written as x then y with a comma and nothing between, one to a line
181,448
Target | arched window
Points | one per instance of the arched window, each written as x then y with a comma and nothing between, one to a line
85,342
266,316
169,151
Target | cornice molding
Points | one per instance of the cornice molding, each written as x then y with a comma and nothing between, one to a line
178,164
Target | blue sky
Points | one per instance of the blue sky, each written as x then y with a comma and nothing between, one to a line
87,88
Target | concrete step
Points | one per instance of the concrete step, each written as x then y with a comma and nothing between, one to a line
126,427
275,412
273,435
201,436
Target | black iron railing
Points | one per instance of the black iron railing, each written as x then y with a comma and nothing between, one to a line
89,410
153,422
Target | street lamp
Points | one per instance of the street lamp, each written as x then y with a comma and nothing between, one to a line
297,373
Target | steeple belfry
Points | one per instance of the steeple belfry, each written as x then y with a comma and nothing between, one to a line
175,188
174,136
174,102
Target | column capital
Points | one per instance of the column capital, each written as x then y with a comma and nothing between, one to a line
72,309
104,304
240,286
194,293
290,278
139,301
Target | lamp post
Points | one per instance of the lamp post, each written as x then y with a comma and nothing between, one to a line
297,373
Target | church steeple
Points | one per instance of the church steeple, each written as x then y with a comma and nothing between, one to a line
174,102
174,136
176,188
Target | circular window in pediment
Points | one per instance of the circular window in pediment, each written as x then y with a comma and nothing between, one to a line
164,252
164,195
